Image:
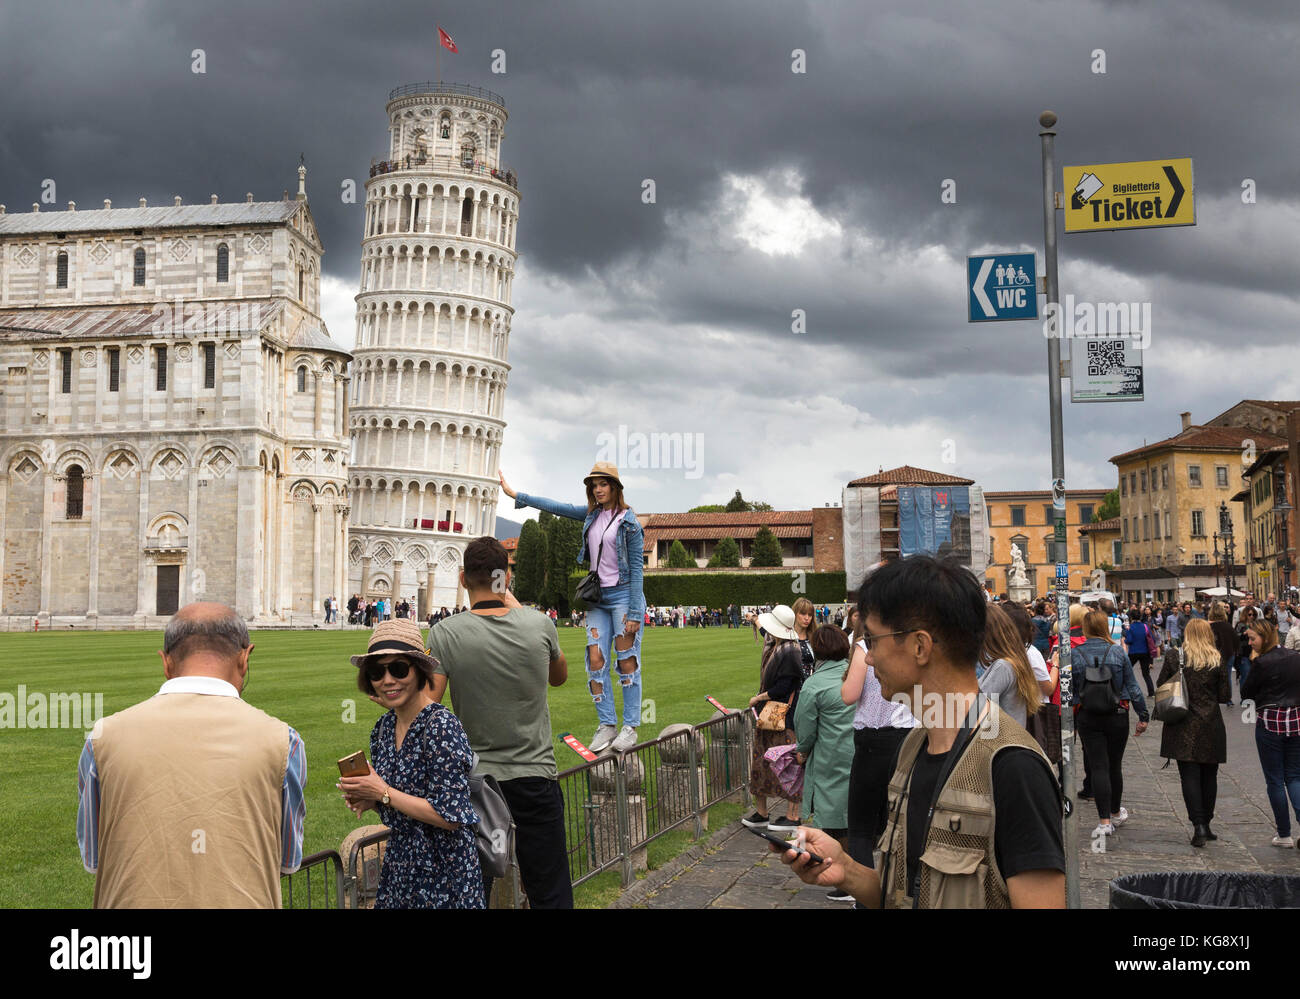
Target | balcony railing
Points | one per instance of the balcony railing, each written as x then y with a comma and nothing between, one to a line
448,164
440,87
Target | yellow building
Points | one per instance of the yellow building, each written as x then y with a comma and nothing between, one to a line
1025,519
1268,561
1174,496
1104,544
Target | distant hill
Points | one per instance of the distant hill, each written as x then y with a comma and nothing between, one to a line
507,528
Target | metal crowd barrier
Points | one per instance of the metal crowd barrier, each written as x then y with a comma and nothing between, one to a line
304,876
617,805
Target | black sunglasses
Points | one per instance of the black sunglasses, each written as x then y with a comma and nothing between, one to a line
397,670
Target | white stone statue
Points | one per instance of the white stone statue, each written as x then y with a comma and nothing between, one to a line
1017,577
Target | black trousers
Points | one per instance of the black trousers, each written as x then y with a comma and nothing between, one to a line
874,751
1200,790
1104,738
537,807
1144,659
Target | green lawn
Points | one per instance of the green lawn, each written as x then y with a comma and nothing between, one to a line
305,679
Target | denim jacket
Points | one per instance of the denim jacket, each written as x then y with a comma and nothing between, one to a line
1121,673
631,543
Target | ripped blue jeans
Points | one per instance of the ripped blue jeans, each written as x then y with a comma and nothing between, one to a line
604,624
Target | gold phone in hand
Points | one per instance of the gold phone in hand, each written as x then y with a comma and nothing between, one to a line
354,765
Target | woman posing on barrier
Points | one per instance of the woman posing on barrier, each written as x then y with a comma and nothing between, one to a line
613,539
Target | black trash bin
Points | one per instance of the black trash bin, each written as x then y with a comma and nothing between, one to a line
1205,890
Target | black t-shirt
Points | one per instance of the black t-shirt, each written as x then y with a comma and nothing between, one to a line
1027,825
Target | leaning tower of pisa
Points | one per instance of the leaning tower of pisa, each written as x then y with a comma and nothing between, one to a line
433,326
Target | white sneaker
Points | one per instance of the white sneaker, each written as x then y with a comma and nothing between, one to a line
603,738
1103,829
1286,842
626,739
1120,818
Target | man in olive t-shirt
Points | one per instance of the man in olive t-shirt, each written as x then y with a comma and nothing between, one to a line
498,661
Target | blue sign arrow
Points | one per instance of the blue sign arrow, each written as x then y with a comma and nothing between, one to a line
1002,286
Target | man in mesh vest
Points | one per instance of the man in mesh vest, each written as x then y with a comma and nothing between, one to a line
974,816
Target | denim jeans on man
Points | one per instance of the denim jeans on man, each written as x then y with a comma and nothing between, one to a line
1279,757
605,623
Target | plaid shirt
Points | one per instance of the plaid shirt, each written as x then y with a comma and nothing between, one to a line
1281,721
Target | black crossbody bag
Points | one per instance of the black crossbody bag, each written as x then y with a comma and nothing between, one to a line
588,591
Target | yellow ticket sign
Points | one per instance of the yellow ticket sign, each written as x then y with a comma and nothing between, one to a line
1129,195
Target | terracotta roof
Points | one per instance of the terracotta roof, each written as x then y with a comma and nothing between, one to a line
906,475
1264,456
1044,494
728,520
712,533
1198,438
510,544
1103,525
161,217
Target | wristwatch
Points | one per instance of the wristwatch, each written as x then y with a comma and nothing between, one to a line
386,799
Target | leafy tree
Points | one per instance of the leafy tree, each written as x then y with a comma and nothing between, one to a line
680,558
707,508
1109,507
726,555
530,563
766,550
758,506
561,559
737,504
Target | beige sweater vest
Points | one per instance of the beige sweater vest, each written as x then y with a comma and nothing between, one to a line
190,804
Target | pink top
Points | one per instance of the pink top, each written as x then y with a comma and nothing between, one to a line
605,526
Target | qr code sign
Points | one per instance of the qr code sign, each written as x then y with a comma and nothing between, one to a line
1105,357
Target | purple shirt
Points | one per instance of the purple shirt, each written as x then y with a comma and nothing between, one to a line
605,526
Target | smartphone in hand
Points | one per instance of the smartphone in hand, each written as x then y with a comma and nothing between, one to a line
354,765
784,844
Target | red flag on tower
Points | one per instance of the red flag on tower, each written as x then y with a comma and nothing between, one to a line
445,41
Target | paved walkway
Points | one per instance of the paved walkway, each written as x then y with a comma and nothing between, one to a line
733,869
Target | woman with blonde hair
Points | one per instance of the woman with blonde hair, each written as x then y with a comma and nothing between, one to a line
1008,677
1199,742
1101,720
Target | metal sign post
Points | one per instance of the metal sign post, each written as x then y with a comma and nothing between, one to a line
1046,120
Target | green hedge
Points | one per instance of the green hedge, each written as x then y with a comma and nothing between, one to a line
717,589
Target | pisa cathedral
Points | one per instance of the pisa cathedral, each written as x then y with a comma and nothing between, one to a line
177,424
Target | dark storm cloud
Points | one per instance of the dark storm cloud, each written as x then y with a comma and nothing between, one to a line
897,98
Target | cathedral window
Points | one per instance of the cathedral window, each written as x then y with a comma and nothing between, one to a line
223,263
114,369
65,363
209,365
300,283
61,278
161,354
76,490
302,378
139,268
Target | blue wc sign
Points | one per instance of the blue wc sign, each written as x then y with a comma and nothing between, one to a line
1002,286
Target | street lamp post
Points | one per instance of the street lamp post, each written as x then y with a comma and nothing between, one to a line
1216,559
1225,529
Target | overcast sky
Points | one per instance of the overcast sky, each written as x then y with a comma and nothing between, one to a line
775,191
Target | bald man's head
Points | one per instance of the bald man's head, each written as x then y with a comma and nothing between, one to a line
205,627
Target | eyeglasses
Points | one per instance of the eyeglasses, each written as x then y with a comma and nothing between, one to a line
870,639
397,670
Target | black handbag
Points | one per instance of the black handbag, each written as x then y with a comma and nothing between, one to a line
588,591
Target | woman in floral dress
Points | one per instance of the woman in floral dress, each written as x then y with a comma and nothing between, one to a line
419,780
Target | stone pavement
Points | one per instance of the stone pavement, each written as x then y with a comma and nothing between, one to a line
733,869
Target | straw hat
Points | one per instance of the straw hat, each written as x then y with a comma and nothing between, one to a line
603,470
779,622
398,637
